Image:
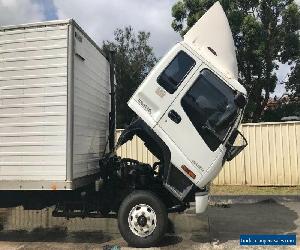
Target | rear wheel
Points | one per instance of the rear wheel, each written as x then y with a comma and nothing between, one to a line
142,219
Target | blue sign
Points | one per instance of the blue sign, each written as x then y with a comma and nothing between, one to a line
268,239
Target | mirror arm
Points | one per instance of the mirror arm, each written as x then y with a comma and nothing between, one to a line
233,151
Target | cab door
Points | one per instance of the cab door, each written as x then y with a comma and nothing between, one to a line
153,97
198,105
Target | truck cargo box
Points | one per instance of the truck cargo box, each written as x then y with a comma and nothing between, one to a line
54,106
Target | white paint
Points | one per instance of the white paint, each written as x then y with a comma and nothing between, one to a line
201,202
91,107
147,91
213,30
34,104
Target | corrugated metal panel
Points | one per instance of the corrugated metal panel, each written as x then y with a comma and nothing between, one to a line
272,157
91,106
33,95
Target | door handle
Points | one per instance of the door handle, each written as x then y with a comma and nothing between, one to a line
174,116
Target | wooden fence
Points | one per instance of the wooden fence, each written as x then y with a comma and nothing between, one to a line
272,157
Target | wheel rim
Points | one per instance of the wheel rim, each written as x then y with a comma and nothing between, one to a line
142,220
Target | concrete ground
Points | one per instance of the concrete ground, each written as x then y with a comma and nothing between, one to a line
219,228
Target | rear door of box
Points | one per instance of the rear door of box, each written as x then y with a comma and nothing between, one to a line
91,106
33,103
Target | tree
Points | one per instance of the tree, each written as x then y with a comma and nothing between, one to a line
134,59
293,84
266,34
283,110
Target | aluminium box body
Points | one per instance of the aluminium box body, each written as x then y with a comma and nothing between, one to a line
54,106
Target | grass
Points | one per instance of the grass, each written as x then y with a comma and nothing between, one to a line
253,190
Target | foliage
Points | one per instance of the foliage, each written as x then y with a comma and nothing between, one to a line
293,84
284,110
266,34
134,59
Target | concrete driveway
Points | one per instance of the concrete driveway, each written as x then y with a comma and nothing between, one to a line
219,228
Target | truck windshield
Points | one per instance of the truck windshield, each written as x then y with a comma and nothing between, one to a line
210,106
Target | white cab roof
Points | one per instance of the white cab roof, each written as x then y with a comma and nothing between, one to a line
211,37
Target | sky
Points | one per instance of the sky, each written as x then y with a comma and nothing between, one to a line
99,18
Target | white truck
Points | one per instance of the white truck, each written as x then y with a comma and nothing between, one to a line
57,125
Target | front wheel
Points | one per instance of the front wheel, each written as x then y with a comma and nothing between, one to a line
142,219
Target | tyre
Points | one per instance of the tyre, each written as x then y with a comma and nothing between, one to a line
142,219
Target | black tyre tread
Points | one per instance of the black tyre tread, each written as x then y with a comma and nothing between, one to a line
138,197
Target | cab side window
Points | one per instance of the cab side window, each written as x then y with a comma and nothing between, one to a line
176,71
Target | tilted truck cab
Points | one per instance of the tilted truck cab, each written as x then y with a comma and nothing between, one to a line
189,108
193,101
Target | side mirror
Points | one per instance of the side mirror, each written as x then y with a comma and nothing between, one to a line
240,100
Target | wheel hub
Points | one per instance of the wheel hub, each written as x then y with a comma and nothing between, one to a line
142,220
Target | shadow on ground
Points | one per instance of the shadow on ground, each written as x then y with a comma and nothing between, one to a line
169,240
57,234
229,222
